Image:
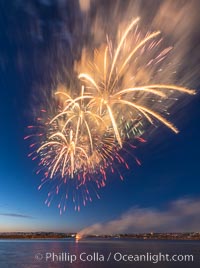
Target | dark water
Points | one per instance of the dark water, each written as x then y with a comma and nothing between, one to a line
95,253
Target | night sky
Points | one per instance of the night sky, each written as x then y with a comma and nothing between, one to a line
38,41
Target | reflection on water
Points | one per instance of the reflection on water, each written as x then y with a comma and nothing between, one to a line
95,252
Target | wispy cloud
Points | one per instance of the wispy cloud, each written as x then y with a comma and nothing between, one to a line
180,216
16,215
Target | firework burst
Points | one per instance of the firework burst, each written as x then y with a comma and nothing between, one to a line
86,135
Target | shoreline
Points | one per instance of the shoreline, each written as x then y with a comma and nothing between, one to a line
145,237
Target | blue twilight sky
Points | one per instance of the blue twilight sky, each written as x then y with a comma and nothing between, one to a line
170,163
